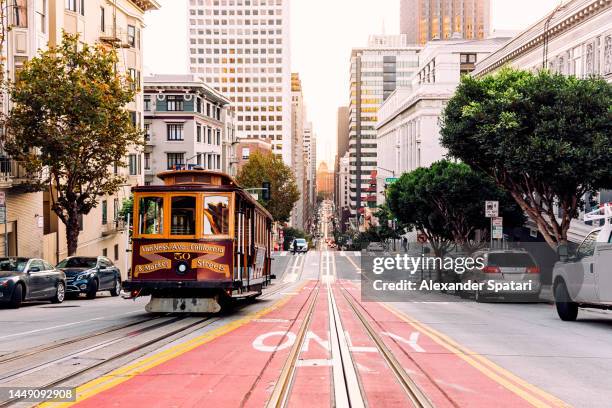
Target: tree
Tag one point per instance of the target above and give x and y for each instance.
(70, 127)
(544, 137)
(452, 197)
(284, 193)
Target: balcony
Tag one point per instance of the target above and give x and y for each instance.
(12, 173)
(116, 37)
(113, 227)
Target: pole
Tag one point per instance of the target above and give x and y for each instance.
(127, 243)
(491, 218)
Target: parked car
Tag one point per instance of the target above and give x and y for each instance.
(375, 247)
(515, 271)
(583, 279)
(299, 245)
(91, 275)
(24, 279)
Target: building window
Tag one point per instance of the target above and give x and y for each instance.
(131, 35)
(116, 252)
(209, 136)
(105, 252)
(41, 15)
(104, 212)
(175, 159)
(102, 19)
(147, 163)
(175, 131)
(116, 209)
(134, 164)
(218, 137)
(246, 152)
(147, 130)
(82, 7)
(71, 5)
(468, 58)
(175, 103)
(199, 134)
(147, 103)
(20, 13)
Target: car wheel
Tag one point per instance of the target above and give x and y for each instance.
(60, 293)
(92, 291)
(116, 291)
(17, 297)
(566, 309)
(478, 296)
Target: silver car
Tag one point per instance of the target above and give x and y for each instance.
(509, 274)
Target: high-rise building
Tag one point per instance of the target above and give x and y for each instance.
(310, 155)
(426, 20)
(241, 48)
(185, 124)
(342, 144)
(325, 181)
(376, 71)
(298, 116)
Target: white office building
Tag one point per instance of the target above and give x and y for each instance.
(241, 48)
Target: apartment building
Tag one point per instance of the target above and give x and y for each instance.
(33, 229)
(247, 147)
(408, 127)
(426, 20)
(241, 48)
(342, 144)
(575, 38)
(376, 71)
(185, 125)
(310, 155)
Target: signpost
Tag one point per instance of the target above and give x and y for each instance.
(390, 180)
(492, 212)
(3, 220)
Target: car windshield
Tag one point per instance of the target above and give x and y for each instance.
(300, 241)
(78, 262)
(510, 260)
(13, 264)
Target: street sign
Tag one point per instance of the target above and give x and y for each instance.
(390, 180)
(497, 227)
(491, 209)
(422, 238)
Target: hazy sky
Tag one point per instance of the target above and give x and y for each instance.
(322, 35)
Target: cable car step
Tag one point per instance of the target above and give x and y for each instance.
(245, 295)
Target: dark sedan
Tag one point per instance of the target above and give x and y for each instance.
(23, 279)
(91, 275)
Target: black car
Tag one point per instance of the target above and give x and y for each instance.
(91, 275)
(24, 279)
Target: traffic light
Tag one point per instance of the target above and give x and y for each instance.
(265, 193)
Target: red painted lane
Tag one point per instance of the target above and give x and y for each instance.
(225, 372)
(380, 388)
(312, 385)
(444, 376)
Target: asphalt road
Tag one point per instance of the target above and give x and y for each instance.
(571, 360)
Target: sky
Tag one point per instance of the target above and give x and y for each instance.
(323, 32)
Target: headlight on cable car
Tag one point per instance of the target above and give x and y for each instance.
(181, 268)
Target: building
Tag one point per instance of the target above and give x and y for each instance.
(343, 194)
(185, 124)
(573, 39)
(246, 147)
(342, 144)
(376, 71)
(325, 181)
(408, 127)
(310, 154)
(33, 228)
(241, 48)
(298, 118)
(426, 20)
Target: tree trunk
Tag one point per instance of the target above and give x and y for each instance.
(72, 231)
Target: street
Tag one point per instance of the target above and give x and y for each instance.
(513, 354)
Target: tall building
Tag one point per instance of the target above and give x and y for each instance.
(33, 228)
(376, 71)
(426, 20)
(241, 48)
(325, 181)
(298, 117)
(310, 155)
(342, 144)
(185, 124)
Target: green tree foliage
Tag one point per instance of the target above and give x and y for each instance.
(69, 126)
(284, 193)
(446, 202)
(544, 137)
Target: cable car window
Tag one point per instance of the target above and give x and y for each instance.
(151, 215)
(216, 215)
(183, 216)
